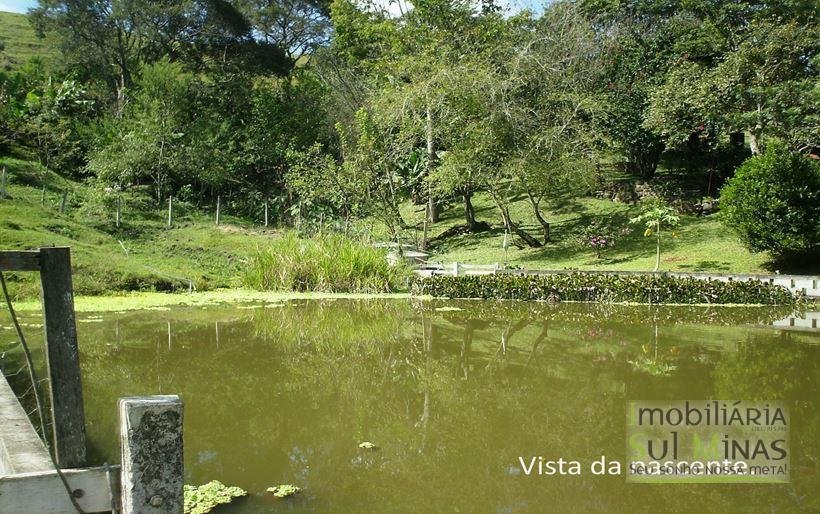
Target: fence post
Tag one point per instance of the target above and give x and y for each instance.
(218, 204)
(151, 443)
(3, 179)
(266, 212)
(62, 357)
(62, 203)
(119, 211)
(170, 210)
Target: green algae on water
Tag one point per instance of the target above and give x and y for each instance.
(204, 498)
(284, 490)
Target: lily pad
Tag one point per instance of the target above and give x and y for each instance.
(367, 445)
(204, 498)
(284, 490)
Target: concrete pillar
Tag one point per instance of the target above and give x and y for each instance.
(151, 442)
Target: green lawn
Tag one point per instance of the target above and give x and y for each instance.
(142, 255)
(703, 243)
(21, 42)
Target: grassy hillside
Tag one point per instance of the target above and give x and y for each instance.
(145, 255)
(142, 255)
(703, 243)
(20, 42)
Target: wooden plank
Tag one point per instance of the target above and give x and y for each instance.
(20, 261)
(43, 491)
(151, 443)
(62, 357)
(21, 449)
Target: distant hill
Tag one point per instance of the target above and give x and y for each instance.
(19, 42)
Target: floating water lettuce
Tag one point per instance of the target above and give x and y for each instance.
(367, 445)
(284, 490)
(204, 498)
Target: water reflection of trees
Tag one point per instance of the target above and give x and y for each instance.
(777, 368)
(451, 397)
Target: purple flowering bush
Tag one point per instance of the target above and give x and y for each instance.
(598, 243)
(600, 235)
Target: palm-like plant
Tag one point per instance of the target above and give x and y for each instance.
(657, 216)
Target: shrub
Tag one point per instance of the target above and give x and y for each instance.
(773, 202)
(601, 234)
(592, 287)
(328, 263)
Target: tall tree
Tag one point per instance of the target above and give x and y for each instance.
(298, 27)
(766, 86)
(144, 142)
(108, 40)
(552, 102)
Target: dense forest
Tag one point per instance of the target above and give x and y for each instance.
(346, 110)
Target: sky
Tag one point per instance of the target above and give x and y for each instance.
(17, 5)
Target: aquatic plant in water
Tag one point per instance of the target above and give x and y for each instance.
(284, 490)
(204, 498)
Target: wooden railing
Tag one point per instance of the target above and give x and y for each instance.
(32, 479)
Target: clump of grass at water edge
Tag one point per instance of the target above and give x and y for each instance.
(328, 263)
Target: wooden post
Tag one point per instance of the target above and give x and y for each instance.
(62, 203)
(152, 466)
(266, 212)
(119, 211)
(62, 357)
(423, 246)
(3, 179)
(218, 204)
(170, 210)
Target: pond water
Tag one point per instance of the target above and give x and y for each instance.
(452, 393)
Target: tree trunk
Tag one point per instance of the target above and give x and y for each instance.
(469, 211)
(432, 207)
(159, 176)
(120, 97)
(754, 143)
(644, 160)
(658, 250)
(545, 225)
(514, 228)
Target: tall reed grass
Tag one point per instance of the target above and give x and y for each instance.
(329, 263)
